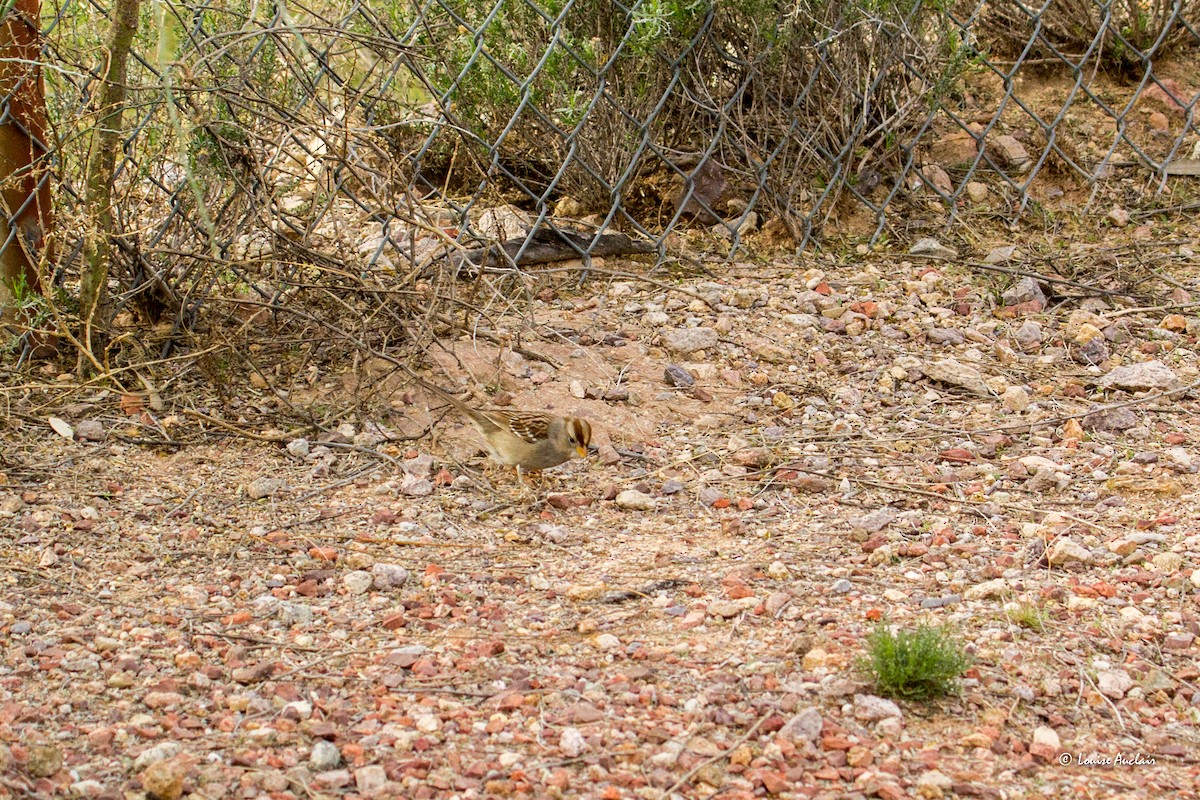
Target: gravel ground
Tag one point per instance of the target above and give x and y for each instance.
(784, 460)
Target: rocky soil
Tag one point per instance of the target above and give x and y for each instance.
(787, 456)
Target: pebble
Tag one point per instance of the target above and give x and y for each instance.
(298, 447)
(633, 500)
(262, 487)
(805, 725)
(160, 752)
(324, 756)
(571, 742)
(358, 581)
(690, 340)
(369, 778)
(933, 248)
(841, 586)
(982, 591)
(1025, 290)
(1146, 375)
(163, 780)
(90, 430)
(675, 375)
(606, 641)
(388, 576)
(870, 708)
(1065, 550)
(1114, 683)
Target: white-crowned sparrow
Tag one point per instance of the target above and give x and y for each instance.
(525, 439)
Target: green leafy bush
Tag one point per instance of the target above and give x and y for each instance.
(914, 664)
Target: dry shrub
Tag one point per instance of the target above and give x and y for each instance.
(1123, 33)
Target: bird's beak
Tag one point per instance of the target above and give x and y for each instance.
(581, 450)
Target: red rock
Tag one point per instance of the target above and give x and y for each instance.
(834, 742)
(323, 553)
(876, 541)
(384, 516)
(890, 791)
(510, 700)
(394, 621)
(1167, 94)
(737, 591)
(774, 782)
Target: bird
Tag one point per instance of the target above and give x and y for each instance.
(527, 440)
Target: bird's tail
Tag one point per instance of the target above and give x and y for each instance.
(440, 392)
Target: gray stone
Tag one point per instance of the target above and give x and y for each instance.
(1111, 420)
(933, 248)
(262, 487)
(325, 756)
(90, 430)
(689, 340)
(1146, 375)
(675, 375)
(294, 613)
(298, 447)
(805, 725)
(1025, 290)
(1029, 335)
(388, 576)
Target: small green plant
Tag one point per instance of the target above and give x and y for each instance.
(1029, 615)
(914, 664)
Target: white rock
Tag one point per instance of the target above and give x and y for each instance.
(572, 743)
(689, 340)
(1114, 683)
(868, 707)
(606, 641)
(155, 754)
(324, 756)
(982, 591)
(1146, 375)
(633, 500)
(1065, 550)
(358, 581)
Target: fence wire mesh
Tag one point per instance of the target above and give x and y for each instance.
(274, 149)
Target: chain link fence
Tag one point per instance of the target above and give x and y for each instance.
(372, 155)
